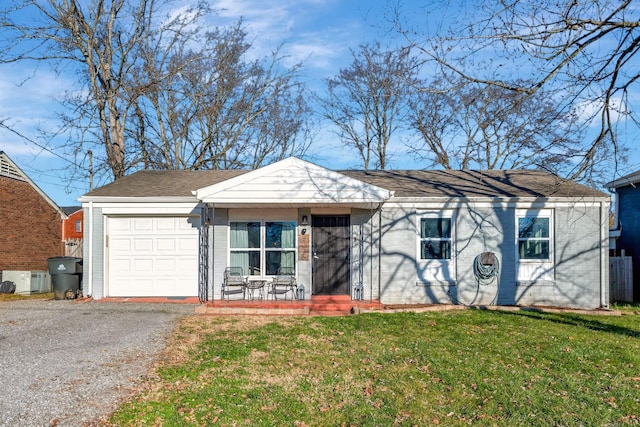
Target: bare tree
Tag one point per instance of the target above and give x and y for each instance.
(491, 127)
(94, 42)
(367, 101)
(585, 49)
(154, 85)
(221, 111)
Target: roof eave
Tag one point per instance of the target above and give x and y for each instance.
(137, 199)
(500, 199)
(631, 179)
(290, 205)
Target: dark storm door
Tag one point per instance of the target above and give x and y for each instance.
(330, 240)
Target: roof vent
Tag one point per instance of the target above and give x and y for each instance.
(9, 169)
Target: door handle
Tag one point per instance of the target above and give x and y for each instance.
(315, 255)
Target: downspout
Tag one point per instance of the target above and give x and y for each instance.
(211, 266)
(604, 217)
(370, 247)
(90, 272)
(379, 251)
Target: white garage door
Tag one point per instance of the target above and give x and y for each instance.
(153, 256)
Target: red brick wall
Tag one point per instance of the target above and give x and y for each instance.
(30, 228)
(69, 226)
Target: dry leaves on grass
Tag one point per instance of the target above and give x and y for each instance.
(191, 330)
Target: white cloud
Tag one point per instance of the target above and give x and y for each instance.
(313, 31)
(315, 54)
(29, 93)
(590, 110)
(27, 105)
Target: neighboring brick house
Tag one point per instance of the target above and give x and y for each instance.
(72, 228)
(30, 222)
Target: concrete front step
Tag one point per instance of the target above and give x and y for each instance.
(274, 311)
(316, 306)
(341, 304)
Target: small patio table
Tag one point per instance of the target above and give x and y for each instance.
(255, 285)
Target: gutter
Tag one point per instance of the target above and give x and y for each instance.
(379, 251)
(153, 199)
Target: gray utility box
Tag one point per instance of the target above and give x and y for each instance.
(66, 273)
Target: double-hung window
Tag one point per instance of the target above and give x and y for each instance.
(534, 237)
(244, 242)
(435, 237)
(535, 234)
(262, 248)
(280, 247)
(436, 246)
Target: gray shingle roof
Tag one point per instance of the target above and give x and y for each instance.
(155, 183)
(405, 183)
(70, 209)
(471, 183)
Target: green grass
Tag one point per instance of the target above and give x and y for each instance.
(452, 368)
(18, 297)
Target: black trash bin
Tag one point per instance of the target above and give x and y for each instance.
(66, 272)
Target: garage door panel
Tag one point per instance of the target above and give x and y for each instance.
(119, 224)
(163, 286)
(120, 245)
(142, 287)
(166, 224)
(142, 266)
(141, 245)
(185, 263)
(188, 245)
(121, 265)
(166, 265)
(166, 244)
(153, 256)
(142, 224)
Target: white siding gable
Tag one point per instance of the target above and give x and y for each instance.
(293, 181)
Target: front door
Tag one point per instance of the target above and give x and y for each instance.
(330, 240)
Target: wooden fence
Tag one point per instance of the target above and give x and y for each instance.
(73, 247)
(620, 279)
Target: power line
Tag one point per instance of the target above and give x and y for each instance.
(37, 144)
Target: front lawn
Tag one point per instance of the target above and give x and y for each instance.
(19, 297)
(447, 368)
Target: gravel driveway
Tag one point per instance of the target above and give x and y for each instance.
(67, 363)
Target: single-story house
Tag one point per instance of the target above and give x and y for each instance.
(399, 237)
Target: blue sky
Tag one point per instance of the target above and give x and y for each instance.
(317, 32)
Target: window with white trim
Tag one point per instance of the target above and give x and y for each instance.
(262, 248)
(534, 245)
(534, 240)
(436, 246)
(435, 238)
(535, 234)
